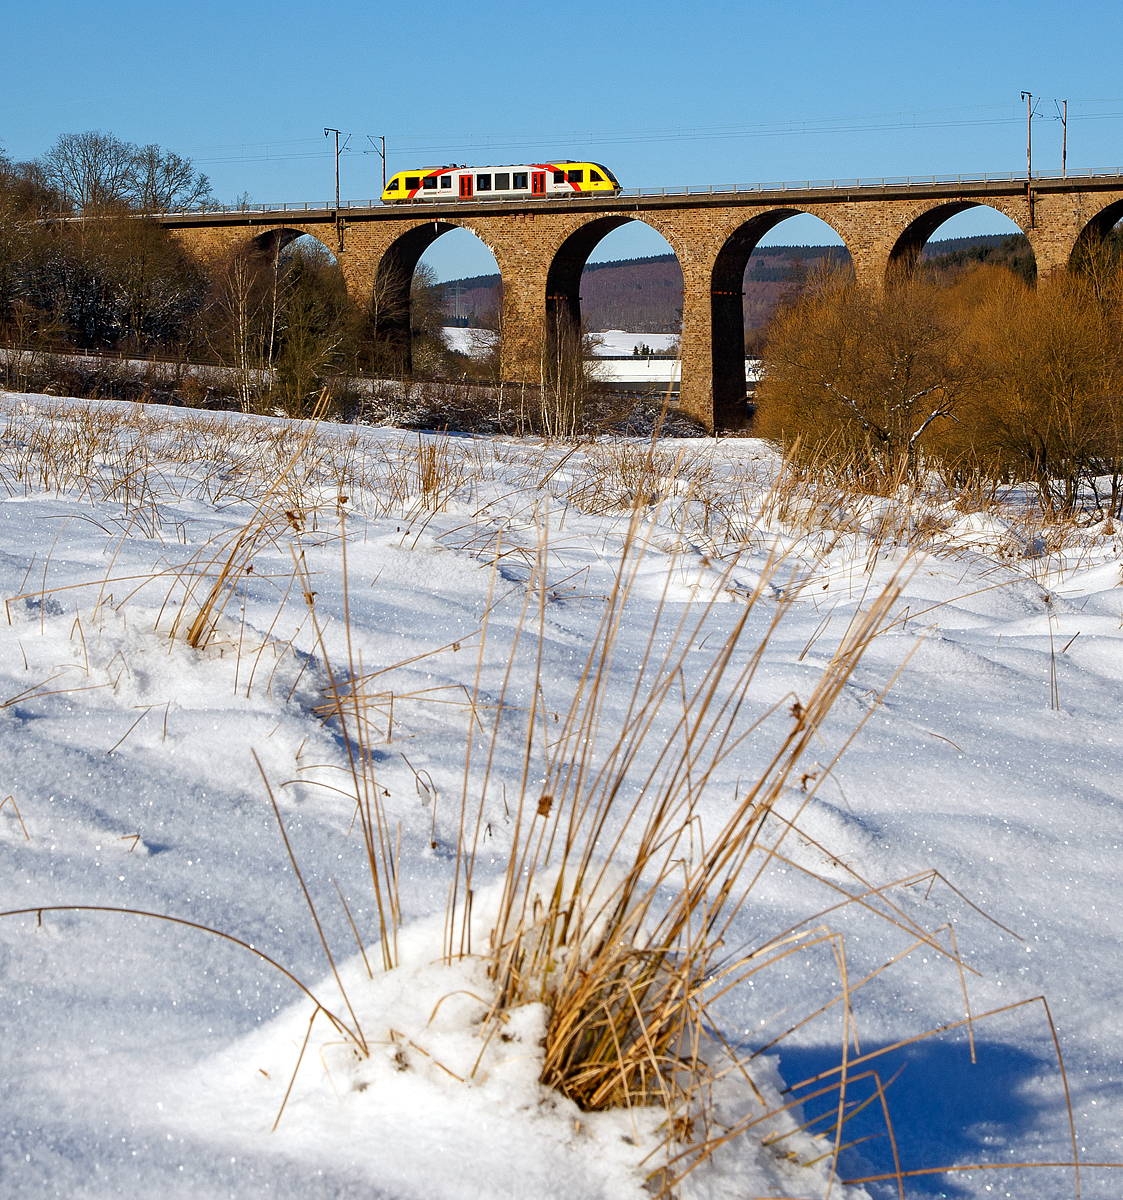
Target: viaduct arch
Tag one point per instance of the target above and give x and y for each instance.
(727, 304)
(390, 284)
(540, 247)
(910, 242)
(1098, 227)
(277, 239)
(568, 256)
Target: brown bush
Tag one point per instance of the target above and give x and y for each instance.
(979, 373)
(869, 371)
(1051, 411)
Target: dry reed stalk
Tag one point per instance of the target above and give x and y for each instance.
(39, 909)
(15, 808)
(349, 704)
(616, 914)
(234, 561)
(622, 936)
(439, 471)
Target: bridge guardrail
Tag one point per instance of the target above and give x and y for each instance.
(711, 189)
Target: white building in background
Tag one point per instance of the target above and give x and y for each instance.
(617, 363)
(642, 374)
(618, 343)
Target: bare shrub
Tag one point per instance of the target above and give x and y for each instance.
(1052, 411)
(871, 370)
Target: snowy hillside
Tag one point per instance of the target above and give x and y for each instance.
(189, 595)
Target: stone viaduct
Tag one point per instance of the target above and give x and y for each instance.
(541, 247)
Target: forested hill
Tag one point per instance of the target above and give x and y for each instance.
(644, 295)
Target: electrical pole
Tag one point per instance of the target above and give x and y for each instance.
(379, 150)
(1063, 114)
(336, 132)
(1028, 98)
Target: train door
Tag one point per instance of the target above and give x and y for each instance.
(538, 183)
(465, 187)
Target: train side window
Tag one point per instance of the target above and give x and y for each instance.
(595, 177)
(446, 181)
(429, 183)
(559, 177)
(483, 183)
(576, 176)
(503, 181)
(518, 180)
(392, 186)
(413, 182)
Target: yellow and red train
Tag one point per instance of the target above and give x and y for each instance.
(546, 180)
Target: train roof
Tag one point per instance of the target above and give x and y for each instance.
(486, 166)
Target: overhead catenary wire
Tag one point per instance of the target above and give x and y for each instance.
(426, 144)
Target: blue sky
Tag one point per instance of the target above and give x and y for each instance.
(664, 93)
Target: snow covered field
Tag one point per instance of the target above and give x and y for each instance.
(144, 1058)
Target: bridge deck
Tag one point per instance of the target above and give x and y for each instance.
(719, 195)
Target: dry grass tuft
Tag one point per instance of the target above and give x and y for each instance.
(618, 903)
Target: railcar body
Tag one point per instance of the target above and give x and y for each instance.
(545, 180)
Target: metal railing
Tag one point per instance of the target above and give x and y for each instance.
(710, 189)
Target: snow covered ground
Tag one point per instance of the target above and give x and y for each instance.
(144, 1058)
(611, 343)
(473, 342)
(618, 341)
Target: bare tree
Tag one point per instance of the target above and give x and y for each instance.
(567, 376)
(95, 170)
(241, 319)
(316, 329)
(15, 224)
(485, 347)
(429, 351)
(163, 180)
(25, 190)
(387, 332)
(1052, 413)
(91, 170)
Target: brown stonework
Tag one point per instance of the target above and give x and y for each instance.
(541, 248)
(209, 244)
